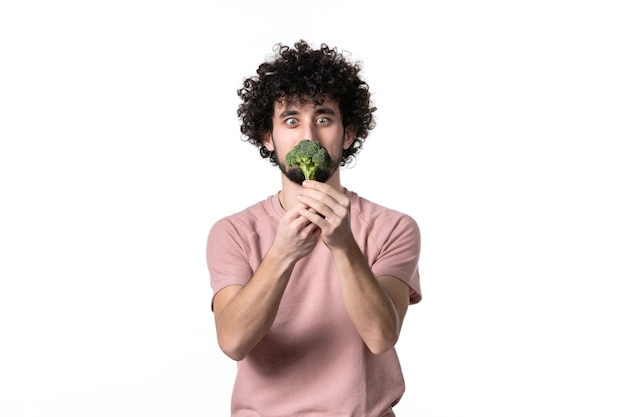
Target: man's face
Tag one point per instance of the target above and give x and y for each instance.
(295, 121)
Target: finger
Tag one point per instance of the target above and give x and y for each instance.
(293, 214)
(312, 217)
(306, 220)
(323, 188)
(327, 195)
(310, 230)
(319, 203)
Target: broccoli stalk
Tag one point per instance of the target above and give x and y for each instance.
(309, 155)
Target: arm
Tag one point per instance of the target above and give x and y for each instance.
(244, 314)
(376, 306)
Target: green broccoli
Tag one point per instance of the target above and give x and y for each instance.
(309, 155)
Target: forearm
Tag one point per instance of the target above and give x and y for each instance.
(249, 314)
(369, 306)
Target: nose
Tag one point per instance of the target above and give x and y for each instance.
(308, 131)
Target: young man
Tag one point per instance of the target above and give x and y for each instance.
(312, 284)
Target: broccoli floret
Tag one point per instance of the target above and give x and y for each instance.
(309, 155)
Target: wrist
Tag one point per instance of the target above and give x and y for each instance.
(281, 259)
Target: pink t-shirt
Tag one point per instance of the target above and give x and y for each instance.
(312, 362)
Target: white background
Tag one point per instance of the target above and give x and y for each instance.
(501, 128)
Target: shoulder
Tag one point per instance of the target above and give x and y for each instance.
(253, 214)
(383, 226)
(376, 214)
(248, 219)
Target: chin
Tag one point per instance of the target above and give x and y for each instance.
(295, 175)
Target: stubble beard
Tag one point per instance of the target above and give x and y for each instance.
(295, 174)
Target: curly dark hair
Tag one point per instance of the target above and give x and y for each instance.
(303, 73)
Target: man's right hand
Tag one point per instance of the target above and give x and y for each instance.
(296, 236)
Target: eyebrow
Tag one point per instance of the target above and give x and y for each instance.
(318, 110)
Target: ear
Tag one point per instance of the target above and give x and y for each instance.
(267, 141)
(349, 135)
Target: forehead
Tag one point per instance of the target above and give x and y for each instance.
(299, 104)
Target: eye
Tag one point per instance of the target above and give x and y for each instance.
(291, 121)
(323, 120)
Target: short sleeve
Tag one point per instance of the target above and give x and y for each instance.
(399, 254)
(227, 256)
